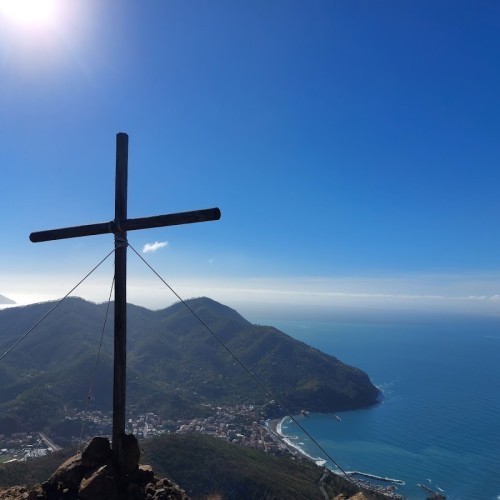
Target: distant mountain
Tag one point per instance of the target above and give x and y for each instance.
(175, 366)
(5, 300)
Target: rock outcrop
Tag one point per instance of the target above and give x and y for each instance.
(92, 475)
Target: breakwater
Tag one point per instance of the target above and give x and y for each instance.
(374, 476)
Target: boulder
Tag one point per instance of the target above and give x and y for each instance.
(143, 475)
(92, 475)
(97, 452)
(100, 485)
(69, 474)
(130, 454)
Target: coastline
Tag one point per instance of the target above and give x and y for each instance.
(275, 428)
(426, 452)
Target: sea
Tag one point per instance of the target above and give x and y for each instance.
(438, 424)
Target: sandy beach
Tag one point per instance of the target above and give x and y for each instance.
(275, 427)
(272, 425)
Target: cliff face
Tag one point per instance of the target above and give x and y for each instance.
(175, 366)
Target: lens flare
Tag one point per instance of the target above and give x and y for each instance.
(29, 13)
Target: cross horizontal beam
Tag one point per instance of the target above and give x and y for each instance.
(127, 225)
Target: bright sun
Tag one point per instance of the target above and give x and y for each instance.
(29, 13)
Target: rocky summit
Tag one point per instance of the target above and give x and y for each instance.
(91, 475)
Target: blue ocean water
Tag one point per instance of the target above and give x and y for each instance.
(439, 422)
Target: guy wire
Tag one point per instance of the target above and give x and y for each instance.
(254, 377)
(52, 309)
(92, 378)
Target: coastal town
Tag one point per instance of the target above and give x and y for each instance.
(233, 424)
(240, 424)
(21, 446)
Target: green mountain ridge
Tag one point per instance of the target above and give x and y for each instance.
(175, 366)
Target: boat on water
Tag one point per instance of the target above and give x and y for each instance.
(434, 494)
(338, 418)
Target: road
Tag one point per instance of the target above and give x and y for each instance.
(48, 442)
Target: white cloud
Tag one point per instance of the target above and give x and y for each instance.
(152, 247)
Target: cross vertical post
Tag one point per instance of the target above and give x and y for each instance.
(119, 227)
(120, 324)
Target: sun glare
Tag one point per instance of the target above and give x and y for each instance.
(29, 13)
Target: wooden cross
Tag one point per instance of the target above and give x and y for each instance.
(119, 227)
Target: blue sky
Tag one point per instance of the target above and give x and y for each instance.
(353, 148)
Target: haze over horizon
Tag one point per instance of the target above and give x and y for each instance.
(352, 149)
